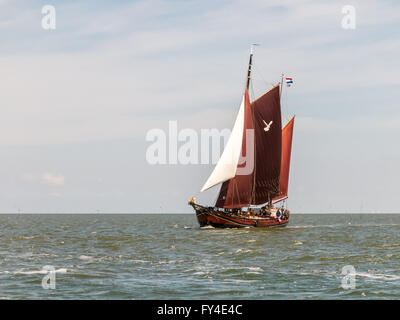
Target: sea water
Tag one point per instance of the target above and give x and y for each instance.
(168, 256)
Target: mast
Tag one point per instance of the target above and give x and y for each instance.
(247, 87)
(250, 64)
(249, 70)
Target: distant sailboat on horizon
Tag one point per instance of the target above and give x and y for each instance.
(247, 198)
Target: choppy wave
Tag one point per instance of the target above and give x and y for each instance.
(387, 277)
(83, 257)
(170, 257)
(61, 270)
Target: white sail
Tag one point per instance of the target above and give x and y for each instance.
(227, 163)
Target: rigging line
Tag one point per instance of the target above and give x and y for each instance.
(252, 90)
(196, 194)
(281, 100)
(260, 74)
(284, 109)
(286, 106)
(262, 78)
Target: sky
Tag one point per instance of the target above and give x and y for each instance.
(77, 101)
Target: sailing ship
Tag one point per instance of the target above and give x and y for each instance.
(253, 169)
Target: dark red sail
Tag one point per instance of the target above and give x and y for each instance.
(268, 146)
(236, 192)
(287, 134)
(264, 116)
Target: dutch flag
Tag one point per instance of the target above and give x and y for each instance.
(289, 81)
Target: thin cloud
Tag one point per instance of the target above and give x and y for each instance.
(53, 179)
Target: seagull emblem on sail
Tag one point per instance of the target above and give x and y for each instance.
(267, 125)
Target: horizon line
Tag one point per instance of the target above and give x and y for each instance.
(171, 213)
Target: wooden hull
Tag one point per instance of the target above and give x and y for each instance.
(218, 219)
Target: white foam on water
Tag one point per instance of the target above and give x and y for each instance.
(240, 280)
(207, 227)
(388, 277)
(208, 268)
(390, 245)
(45, 255)
(375, 225)
(255, 268)
(140, 261)
(166, 261)
(252, 240)
(316, 226)
(83, 257)
(61, 270)
(240, 250)
(299, 227)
